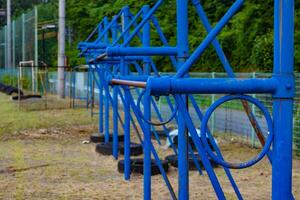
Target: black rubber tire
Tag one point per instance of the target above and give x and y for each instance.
(173, 161)
(10, 90)
(5, 88)
(160, 133)
(191, 142)
(107, 149)
(24, 97)
(97, 138)
(135, 149)
(137, 166)
(104, 148)
(2, 87)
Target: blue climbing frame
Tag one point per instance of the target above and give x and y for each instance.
(113, 63)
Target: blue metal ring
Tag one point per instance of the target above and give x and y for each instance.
(150, 122)
(266, 147)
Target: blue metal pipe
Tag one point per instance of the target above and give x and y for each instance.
(106, 23)
(125, 71)
(215, 43)
(183, 51)
(227, 171)
(167, 85)
(154, 153)
(115, 100)
(128, 27)
(147, 112)
(141, 51)
(94, 31)
(147, 149)
(106, 102)
(209, 38)
(106, 29)
(283, 107)
(199, 146)
(163, 38)
(142, 23)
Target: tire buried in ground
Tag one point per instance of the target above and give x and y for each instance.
(192, 143)
(10, 90)
(137, 166)
(107, 149)
(160, 134)
(97, 138)
(173, 161)
(24, 97)
(135, 149)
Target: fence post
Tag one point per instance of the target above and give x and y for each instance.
(254, 113)
(213, 98)
(36, 46)
(23, 37)
(5, 52)
(14, 43)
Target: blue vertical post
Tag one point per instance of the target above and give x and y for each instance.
(147, 113)
(92, 89)
(106, 40)
(106, 23)
(183, 48)
(87, 101)
(115, 100)
(100, 102)
(125, 71)
(283, 106)
(106, 136)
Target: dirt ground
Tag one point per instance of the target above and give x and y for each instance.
(53, 163)
(42, 156)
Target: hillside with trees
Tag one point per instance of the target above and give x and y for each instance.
(247, 40)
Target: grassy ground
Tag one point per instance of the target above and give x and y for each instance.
(32, 115)
(42, 157)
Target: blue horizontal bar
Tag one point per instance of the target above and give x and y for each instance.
(141, 51)
(168, 85)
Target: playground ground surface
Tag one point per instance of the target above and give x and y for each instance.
(42, 157)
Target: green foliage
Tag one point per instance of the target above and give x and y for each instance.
(8, 80)
(247, 40)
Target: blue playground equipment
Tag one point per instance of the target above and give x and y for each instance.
(124, 72)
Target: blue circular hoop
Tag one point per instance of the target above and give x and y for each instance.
(267, 145)
(150, 122)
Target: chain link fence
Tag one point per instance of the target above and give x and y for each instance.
(228, 121)
(34, 37)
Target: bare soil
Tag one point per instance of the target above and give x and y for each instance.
(53, 163)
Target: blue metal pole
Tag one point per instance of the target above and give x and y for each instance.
(128, 26)
(183, 48)
(199, 146)
(147, 113)
(147, 148)
(116, 102)
(106, 116)
(155, 155)
(100, 102)
(124, 72)
(87, 101)
(107, 110)
(215, 43)
(142, 23)
(162, 38)
(167, 85)
(283, 107)
(209, 38)
(141, 51)
(92, 90)
(106, 34)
